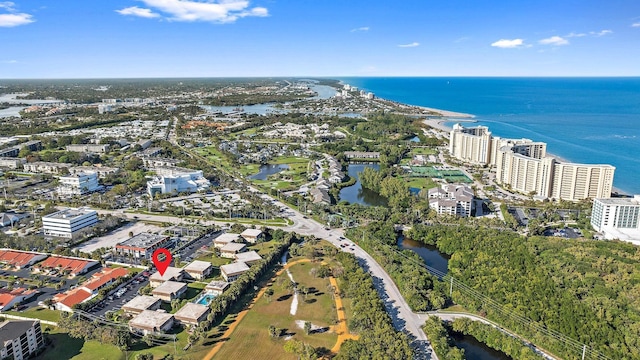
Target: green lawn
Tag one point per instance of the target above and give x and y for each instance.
(263, 247)
(423, 151)
(251, 338)
(216, 261)
(421, 183)
(38, 313)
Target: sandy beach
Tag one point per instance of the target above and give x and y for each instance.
(448, 114)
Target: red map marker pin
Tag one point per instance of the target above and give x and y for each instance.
(161, 265)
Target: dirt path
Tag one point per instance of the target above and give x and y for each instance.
(341, 329)
(244, 312)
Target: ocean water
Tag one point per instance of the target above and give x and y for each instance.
(585, 120)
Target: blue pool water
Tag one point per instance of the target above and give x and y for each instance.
(205, 299)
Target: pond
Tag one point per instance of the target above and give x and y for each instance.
(429, 253)
(476, 350)
(356, 194)
(268, 169)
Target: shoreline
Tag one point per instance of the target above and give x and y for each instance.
(439, 124)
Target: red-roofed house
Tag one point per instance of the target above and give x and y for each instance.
(65, 301)
(72, 266)
(88, 289)
(19, 259)
(10, 297)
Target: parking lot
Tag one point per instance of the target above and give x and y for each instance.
(113, 303)
(47, 291)
(114, 237)
(188, 252)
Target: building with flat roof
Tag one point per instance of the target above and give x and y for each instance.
(141, 303)
(20, 339)
(224, 239)
(231, 272)
(178, 182)
(217, 287)
(101, 171)
(192, 314)
(523, 165)
(80, 183)
(13, 151)
(617, 218)
(231, 249)
(171, 273)
(169, 290)
(11, 163)
(199, 269)
(149, 322)
(249, 257)
(142, 245)
(88, 148)
(44, 167)
(66, 223)
(252, 235)
(362, 154)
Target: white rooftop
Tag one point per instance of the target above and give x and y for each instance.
(251, 232)
(234, 268)
(197, 266)
(233, 247)
(191, 311)
(169, 287)
(142, 302)
(226, 238)
(248, 256)
(170, 273)
(217, 285)
(150, 319)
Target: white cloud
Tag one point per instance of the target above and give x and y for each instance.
(413, 44)
(462, 39)
(7, 5)
(217, 11)
(364, 28)
(508, 44)
(554, 40)
(136, 11)
(635, 24)
(10, 61)
(11, 20)
(570, 35)
(601, 33)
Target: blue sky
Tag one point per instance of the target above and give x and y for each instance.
(217, 38)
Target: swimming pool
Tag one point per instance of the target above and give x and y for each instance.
(205, 299)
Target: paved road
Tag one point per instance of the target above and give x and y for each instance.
(403, 318)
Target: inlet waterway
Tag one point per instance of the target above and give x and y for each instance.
(429, 253)
(473, 349)
(356, 194)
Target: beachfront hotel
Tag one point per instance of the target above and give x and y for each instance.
(522, 165)
(617, 218)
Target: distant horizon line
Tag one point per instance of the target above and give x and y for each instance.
(336, 77)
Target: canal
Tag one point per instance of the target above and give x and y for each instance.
(473, 349)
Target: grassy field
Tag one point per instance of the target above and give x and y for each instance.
(38, 313)
(251, 338)
(423, 151)
(421, 183)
